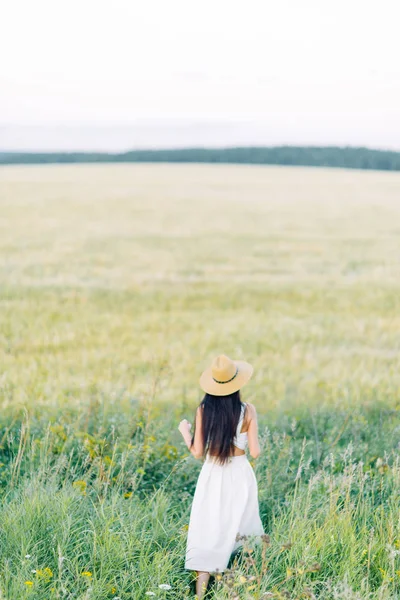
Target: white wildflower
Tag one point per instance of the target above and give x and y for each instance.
(27, 555)
(164, 586)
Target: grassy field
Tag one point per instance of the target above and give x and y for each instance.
(118, 284)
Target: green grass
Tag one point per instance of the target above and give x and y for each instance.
(118, 284)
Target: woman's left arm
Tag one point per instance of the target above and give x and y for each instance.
(184, 427)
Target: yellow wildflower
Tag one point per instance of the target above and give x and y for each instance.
(29, 583)
(81, 486)
(45, 574)
(86, 574)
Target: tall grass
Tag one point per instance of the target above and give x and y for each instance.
(100, 514)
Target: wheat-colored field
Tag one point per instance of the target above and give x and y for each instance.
(109, 272)
(118, 284)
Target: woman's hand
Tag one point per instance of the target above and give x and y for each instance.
(184, 427)
(195, 445)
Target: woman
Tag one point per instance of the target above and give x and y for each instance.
(225, 503)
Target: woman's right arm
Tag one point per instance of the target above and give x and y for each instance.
(252, 432)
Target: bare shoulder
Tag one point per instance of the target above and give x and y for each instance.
(251, 412)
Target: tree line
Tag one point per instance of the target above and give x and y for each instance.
(311, 156)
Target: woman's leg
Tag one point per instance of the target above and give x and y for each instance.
(201, 583)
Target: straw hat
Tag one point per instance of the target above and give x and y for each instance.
(225, 376)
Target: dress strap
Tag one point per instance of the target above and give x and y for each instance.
(241, 419)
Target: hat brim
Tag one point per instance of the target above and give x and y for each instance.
(210, 386)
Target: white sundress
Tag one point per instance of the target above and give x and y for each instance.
(225, 504)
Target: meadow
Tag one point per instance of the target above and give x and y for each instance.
(118, 285)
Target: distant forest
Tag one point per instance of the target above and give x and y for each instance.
(346, 157)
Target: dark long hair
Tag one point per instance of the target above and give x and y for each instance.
(220, 418)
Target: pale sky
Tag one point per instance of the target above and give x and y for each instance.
(251, 71)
